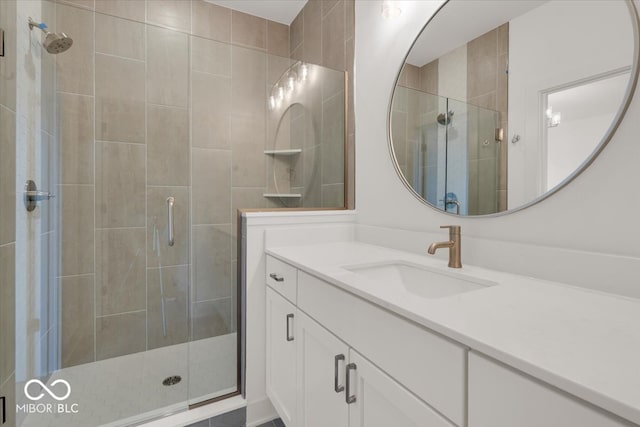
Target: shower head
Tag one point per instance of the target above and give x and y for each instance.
(53, 42)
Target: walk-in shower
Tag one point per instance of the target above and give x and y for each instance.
(149, 135)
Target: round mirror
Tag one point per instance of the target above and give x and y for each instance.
(501, 103)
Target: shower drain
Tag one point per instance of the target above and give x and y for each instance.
(175, 379)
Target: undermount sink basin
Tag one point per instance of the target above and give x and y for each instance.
(419, 280)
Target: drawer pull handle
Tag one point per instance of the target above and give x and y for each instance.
(349, 398)
(338, 388)
(277, 278)
(289, 336)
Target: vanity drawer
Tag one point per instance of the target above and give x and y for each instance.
(429, 365)
(282, 278)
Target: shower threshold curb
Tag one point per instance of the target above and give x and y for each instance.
(198, 414)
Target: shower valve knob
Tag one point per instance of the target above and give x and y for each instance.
(32, 195)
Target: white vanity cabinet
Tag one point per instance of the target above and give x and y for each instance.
(379, 401)
(502, 397)
(281, 355)
(322, 360)
(322, 372)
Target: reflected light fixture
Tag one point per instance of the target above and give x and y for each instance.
(390, 9)
(553, 119)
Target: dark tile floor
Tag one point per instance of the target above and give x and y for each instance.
(237, 418)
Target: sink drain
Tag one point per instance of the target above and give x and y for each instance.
(172, 380)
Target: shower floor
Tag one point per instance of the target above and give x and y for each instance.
(127, 390)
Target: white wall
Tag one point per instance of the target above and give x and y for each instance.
(570, 46)
(576, 220)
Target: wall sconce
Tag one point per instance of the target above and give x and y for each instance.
(390, 9)
(553, 119)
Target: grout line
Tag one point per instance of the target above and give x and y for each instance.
(95, 179)
(111, 55)
(143, 310)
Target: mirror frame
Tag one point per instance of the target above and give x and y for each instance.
(628, 96)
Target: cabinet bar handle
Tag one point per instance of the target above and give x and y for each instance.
(289, 336)
(277, 278)
(336, 387)
(348, 397)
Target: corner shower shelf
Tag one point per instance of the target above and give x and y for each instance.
(283, 195)
(290, 152)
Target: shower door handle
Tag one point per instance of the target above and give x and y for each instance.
(170, 202)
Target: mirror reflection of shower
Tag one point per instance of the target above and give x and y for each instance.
(53, 43)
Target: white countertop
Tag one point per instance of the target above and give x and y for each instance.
(583, 342)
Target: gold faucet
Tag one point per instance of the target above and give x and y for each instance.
(454, 245)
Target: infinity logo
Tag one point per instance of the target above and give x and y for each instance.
(52, 394)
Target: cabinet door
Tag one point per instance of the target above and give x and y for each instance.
(379, 401)
(281, 356)
(502, 397)
(321, 363)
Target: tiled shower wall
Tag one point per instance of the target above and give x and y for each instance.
(323, 34)
(8, 206)
(175, 107)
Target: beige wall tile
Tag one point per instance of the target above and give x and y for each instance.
(502, 84)
(8, 21)
(7, 311)
(349, 19)
(121, 37)
(120, 270)
(296, 32)
(277, 39)
(487, 186)
(312, 176)
(120, 97)
(77, 229)
(211, 21)
(211, 262)
(167, 67)
(7, 176)
(333, 47)
(77, 327)
(167, 146)
(333, 196)
(211, 186)
(129, 9)
(173, 284)
(248, 30)
(211, 318)
(327, 6)
(87, 4)
(170, 13)
(487, 101)
(429, 77)
(75, 130)
(112, 342)
(178, 254)
(211, 122)
(120, 185)
(211, 57)
(413, 76)
(75, 66)
(248, 159)
(312, 32)
(245, 198)
(503, 39)
(249, 82)
(482, 64)
(333, 141)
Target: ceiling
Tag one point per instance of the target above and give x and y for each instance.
(282, 11)
(460, 21)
